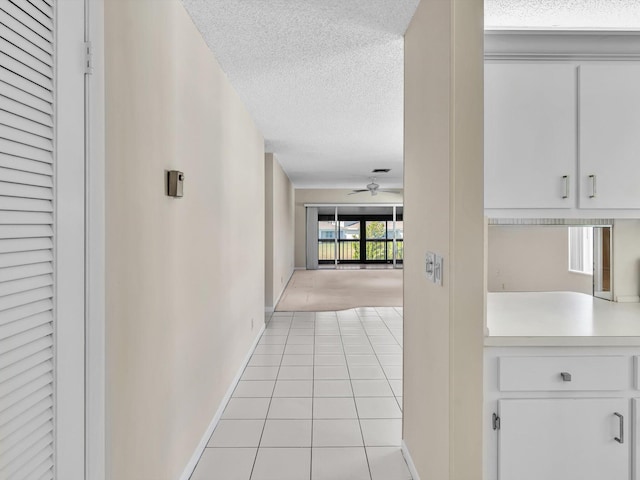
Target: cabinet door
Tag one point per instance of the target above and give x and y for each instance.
(530, 135)
(610, 136)
(563, 439)
(636, 436)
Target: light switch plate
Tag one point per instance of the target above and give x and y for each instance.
(434, 267)
(438, 269)
(429, 266)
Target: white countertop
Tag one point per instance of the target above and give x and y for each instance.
(560, 318)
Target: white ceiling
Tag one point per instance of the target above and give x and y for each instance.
(563, 14)
(322, 78)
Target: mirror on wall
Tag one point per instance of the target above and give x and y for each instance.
(547, 258)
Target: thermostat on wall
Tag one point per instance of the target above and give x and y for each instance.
(175, 183)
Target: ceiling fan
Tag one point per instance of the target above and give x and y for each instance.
(372, 187)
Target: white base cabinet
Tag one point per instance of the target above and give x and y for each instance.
(562, 413)
(563, 439)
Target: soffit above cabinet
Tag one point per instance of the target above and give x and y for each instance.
(560, 45)
(563, 14)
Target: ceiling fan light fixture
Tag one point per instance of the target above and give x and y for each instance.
(372, 188)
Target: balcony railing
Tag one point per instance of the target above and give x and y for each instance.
(349, 250)
(326, 250)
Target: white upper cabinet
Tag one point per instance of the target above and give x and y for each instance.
(610, 136)
(531, 135)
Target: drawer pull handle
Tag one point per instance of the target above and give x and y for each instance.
(566, 376)
(620, 439)
(565, 178)
(594, 186)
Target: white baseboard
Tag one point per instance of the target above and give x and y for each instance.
(409, 460)
(275, 304)
(191, 466)
(628, 299)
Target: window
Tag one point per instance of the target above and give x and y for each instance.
(581, 250)
(326, 230)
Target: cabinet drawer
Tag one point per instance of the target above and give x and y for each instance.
(589, 373)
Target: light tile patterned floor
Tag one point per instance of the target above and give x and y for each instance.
(321, 399)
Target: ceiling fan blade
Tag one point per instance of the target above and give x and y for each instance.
(357, 191)
(389, 190)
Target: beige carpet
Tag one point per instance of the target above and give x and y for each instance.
(330, 290)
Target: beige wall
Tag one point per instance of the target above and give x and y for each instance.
(626, 260)
(443, 212)
(185, 277)
(328, 196)
(279, 216)
(532, 259)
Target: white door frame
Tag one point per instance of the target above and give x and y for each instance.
(80, 243)
(95, 231)
(69, 238)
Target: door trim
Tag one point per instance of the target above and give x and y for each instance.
(95, 270)
(69, 243)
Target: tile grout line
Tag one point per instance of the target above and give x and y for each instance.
(231, 398)
(270, 399)
(383, 371)
(402, 347)
(378, 358)
(351, 321)
(402, 354)
(313, 386)
(353, 393)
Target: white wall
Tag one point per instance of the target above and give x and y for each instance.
(328, 196)
(532, 259)
(185, 277)
(279, 215)
(626, 260)
(443, 212)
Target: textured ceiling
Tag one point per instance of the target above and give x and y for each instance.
(563, 14)
(322, 78)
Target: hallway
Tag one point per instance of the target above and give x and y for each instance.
(320, 399)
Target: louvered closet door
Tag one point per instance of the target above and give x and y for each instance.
(26, 239)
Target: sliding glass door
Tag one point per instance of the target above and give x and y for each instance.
(360, 239)
(326, 239)
(376, 241)
(349, 241)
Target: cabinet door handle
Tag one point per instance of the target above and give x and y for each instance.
(620, 439)
(566, 179)
(566, 376)
(594, 186)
